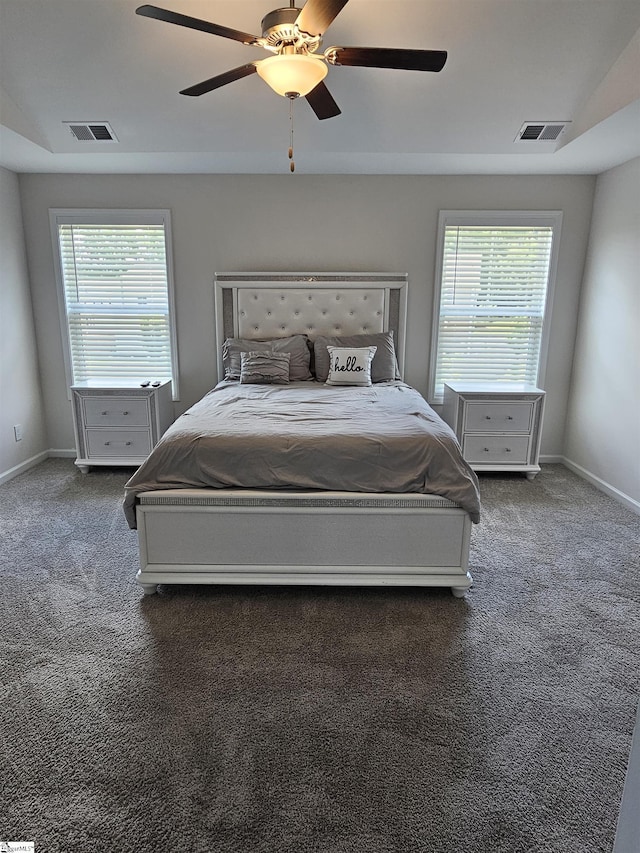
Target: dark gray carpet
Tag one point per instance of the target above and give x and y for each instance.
(309, 720)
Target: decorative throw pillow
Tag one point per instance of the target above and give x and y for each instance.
(296, 346)
(384, 366)
(350, 365)
(265, 368)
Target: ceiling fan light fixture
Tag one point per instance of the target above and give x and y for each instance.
(292, 74)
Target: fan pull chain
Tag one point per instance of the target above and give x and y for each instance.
(292, 165)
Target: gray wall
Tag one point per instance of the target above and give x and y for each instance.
(20, 399)
(335, 223)
(603, 424)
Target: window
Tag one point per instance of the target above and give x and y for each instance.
(116, 295)
(494, 279)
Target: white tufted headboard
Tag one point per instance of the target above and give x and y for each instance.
(275, 305)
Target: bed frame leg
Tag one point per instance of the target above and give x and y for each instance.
(149, 588)
(460, 591)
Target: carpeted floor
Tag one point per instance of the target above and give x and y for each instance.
(310, 720)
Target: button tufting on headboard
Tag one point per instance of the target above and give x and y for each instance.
(275, 313)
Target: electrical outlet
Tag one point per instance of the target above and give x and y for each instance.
(17, 431)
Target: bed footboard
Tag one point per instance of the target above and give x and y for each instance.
(329, 538)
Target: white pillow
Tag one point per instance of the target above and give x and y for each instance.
(350, 365)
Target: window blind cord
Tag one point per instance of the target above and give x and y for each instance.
(75, 264)
(455, 265)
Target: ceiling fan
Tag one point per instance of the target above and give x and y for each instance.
(294, 36)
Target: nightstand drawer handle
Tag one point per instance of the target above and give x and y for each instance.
(507, 450)
(126, 443)
(106, 413)
(488, 417)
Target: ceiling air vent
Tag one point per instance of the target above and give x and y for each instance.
(91, 131)
(541, 131)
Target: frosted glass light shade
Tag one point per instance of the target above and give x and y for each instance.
(292, 73)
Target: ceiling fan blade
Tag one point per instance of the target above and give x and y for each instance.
(220, 80)
(321, 102)
(387, 57)
(317, 15)
(195, 24)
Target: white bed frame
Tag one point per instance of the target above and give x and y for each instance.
(245, 536)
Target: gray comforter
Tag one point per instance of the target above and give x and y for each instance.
(306, 435)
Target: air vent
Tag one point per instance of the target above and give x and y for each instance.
(541, 131)
(91, 131)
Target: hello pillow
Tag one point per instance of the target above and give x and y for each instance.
(350, 365)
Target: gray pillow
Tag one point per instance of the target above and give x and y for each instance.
(264, 368)
(384, 365)
(296, 346)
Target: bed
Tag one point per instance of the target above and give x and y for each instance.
(357, 484)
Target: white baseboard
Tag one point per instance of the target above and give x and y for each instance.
(551, 459)
(605, 487)
(5, 476)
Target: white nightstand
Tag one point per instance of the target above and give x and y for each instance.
(498, 424)
(118, 424)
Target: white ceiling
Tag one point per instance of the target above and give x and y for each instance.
(510, 62)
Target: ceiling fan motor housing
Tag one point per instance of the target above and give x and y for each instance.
(279, 31)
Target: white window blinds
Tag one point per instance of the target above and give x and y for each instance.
(117, 299)
(493, 291)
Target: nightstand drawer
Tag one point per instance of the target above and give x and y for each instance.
(505, 449)
(118, 442)
(498, 417)
(116, 411)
